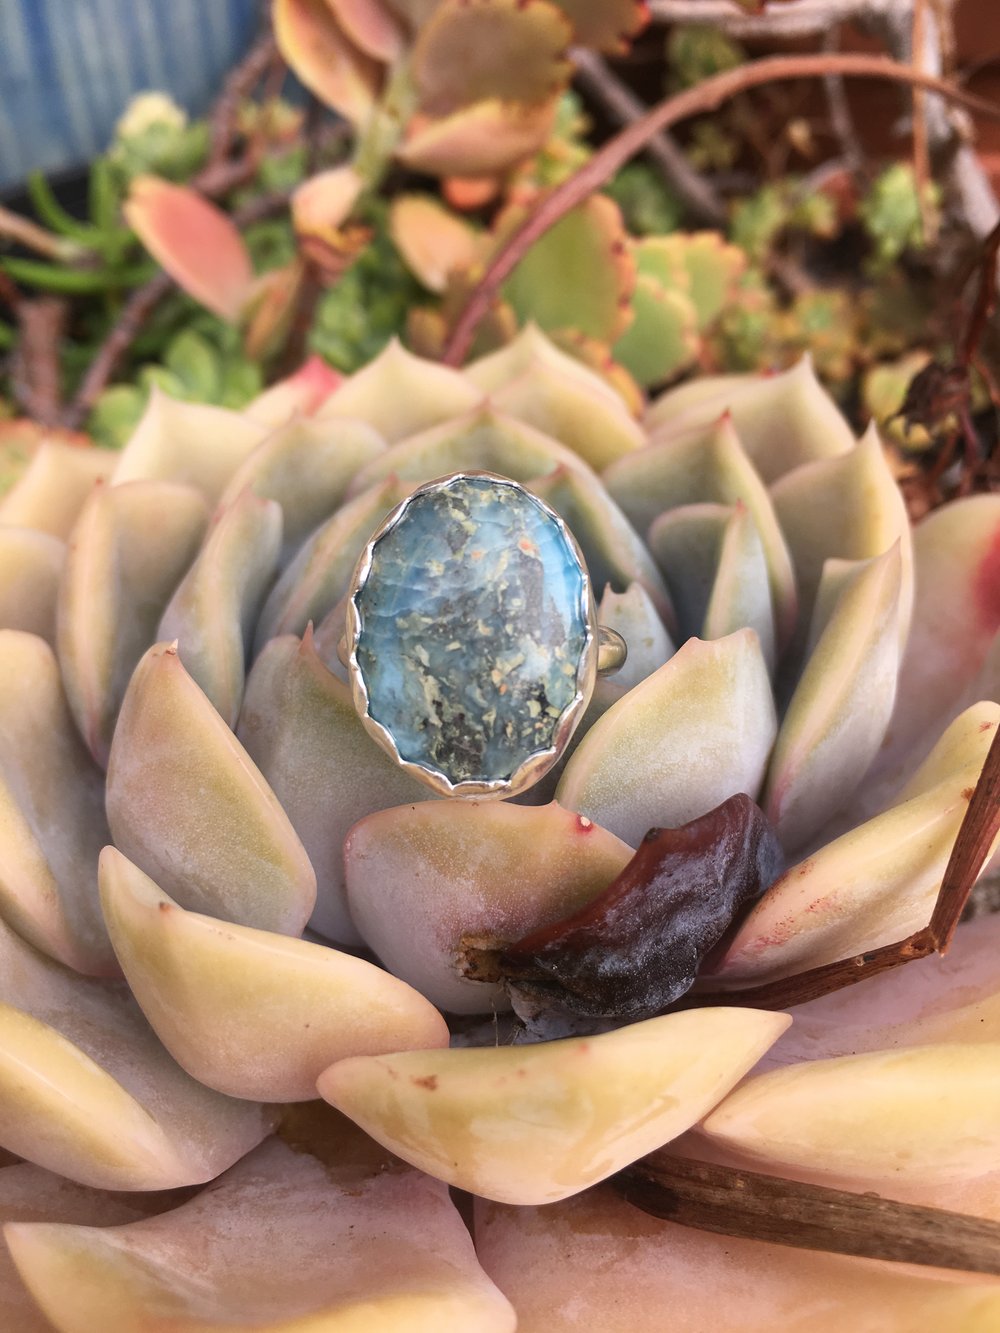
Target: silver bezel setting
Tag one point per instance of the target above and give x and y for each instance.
(537, 764)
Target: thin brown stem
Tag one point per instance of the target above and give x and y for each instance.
(732, 1202)
(706, 96)
(698, 196)
(35, 371)
(239, 84)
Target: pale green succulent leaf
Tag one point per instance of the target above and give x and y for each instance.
(695, 732)
(484, 439)
(421, 878)
(306, 466)
(847, 507)
(31, 565)
(932, 1110)
(873, 885)
(741, 593)
(783, 420)
(399, 394)
(130, 547)
(52, 822)
(839, 712)
(356, 1246)
(192, 443)
(699, 465)
(87, 1090)
(686, 542)
(634, 616)
(598, 428)
(319, 575)
(247, 1012)
(531, 352)
(215, 608)
(300, 726)
(534, 1124)
(612, 548)
(49, 495)
(662, 338)
(189, 807)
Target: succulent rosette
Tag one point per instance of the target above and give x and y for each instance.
(219, 898)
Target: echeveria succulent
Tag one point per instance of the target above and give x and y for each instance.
(220, 898)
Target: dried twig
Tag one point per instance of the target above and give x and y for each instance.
(732, 1202)
(706, 96)
(238, 85)
(35, 368)
(841, 120)
(9, 292)
(695, 192)
(972, 846)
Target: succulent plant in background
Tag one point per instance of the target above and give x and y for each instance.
(206, 858)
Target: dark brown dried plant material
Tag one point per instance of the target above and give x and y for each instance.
(638, 946)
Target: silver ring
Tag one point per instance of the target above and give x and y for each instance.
(472, 643)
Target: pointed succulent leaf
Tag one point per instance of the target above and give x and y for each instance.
(545, 286)
(198, 244)
(320, 573)
(300, 726)
(685, 543)
(512, 50)
(662, 338)
(783, 420)
(283, 1243)
(873, 885)
(50, 493)
(30, 1194)
(656, 757)
(188, 806)
(52, 821)
(699, 465)
(534, 1124)
(423, 879)
(929, 1111)
(600, 1254)
(637, 947)
(740, 591)
(479, 141)
(956, 620)
(433, 242)
(372, 27)
(572, 411)
(614, 553)
(247, 1012)
(302, 392)
(531, 351)
(485, 439)
(399, 394)
(634, 616)
(850, 507)
(212, 613)
(191, 443)
(306, 466)
(608, 25)
(87, 1090)
(31, 565)
(841, 707)
(130, 547)
(313, 41)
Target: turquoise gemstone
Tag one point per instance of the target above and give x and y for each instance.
(473, 625)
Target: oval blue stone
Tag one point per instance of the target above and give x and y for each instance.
(473, 625)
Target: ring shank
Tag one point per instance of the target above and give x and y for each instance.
(612, 650)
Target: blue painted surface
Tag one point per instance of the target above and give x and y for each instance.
(68, 68)
(472, 629)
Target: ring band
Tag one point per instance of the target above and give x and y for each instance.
(472, 643)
